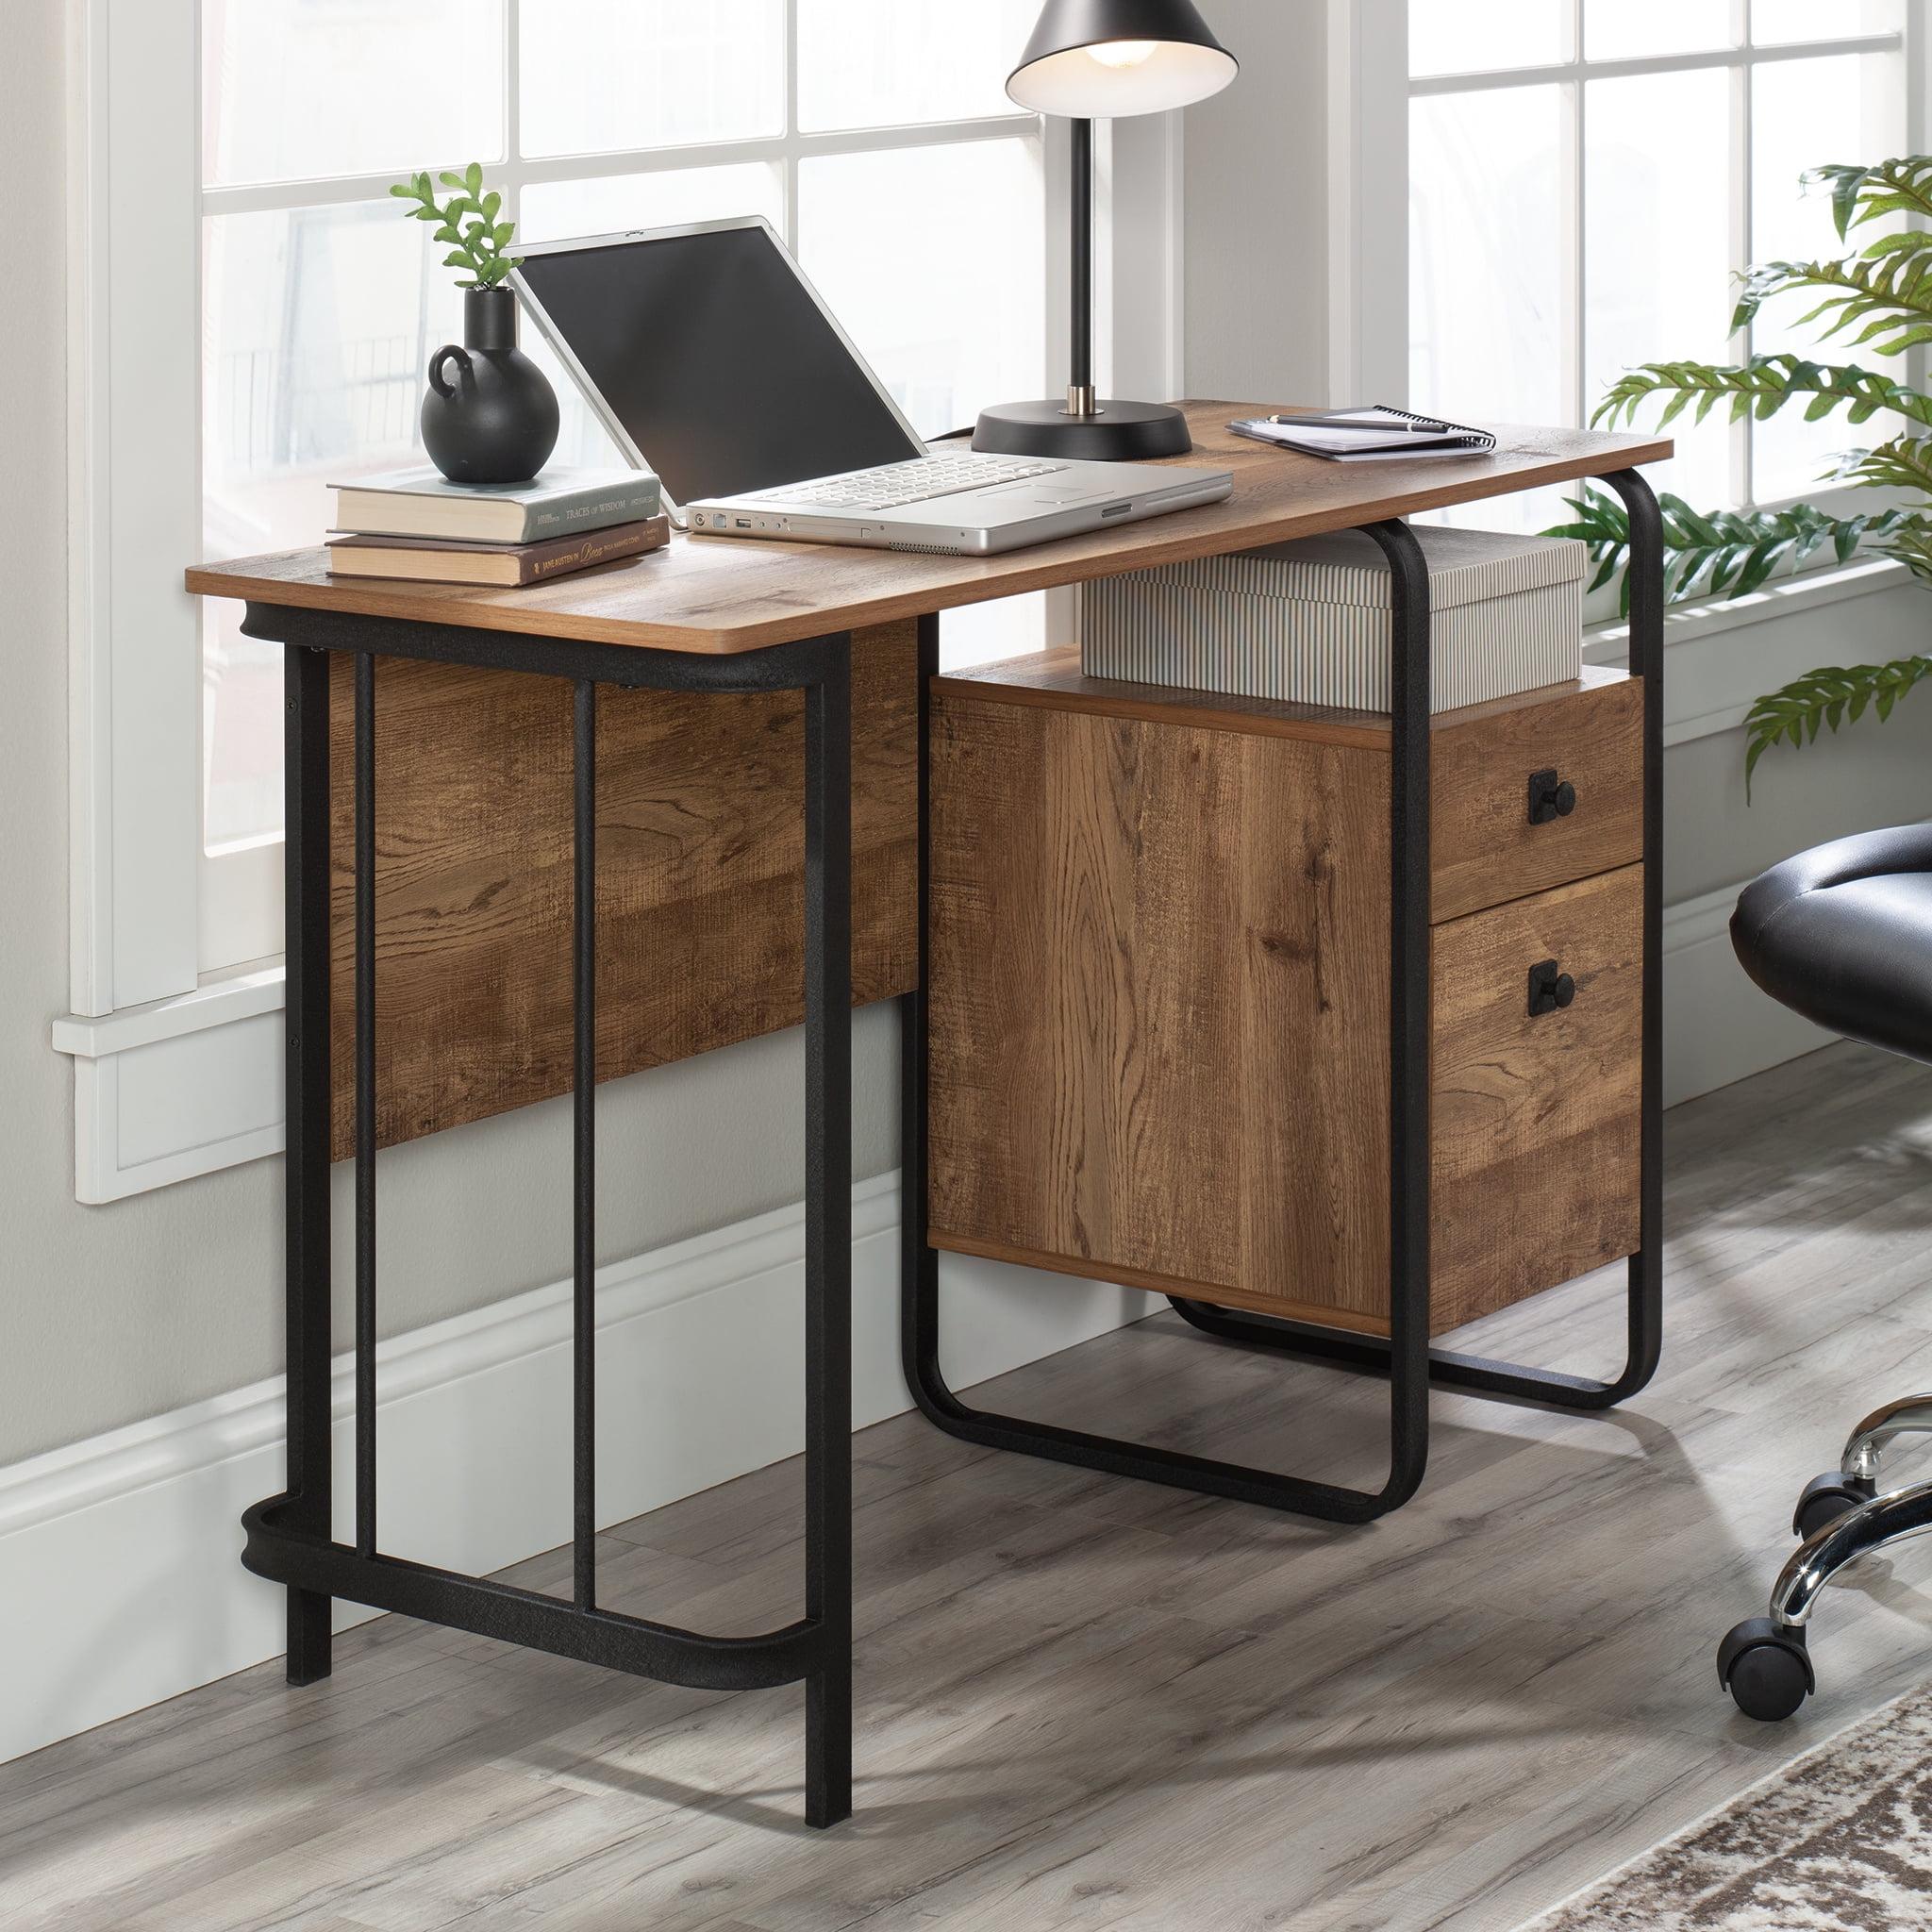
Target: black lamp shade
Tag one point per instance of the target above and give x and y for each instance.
(1102, 60)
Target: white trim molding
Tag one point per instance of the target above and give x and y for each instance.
(120, 1572)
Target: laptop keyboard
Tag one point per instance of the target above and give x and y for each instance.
(914, 481)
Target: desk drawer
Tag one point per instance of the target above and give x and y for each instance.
(1487, 847)
(1535, 1172)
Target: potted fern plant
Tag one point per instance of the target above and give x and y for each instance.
(491, 415)
(1882, 289)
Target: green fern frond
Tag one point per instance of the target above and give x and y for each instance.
(1759, 388)
(1723, 553)
(1891, 295)
(1831, 696)
(1860, 193)
(1904, 463)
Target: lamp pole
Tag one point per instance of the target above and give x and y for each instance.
(1080, 396)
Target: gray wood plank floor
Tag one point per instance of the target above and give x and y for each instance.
(1086, 1703)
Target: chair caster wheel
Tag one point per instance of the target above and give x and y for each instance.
(1766, 1668)
(1827, 1497)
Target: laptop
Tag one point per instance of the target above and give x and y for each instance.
(710, 359)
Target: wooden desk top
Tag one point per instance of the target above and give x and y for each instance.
(726, 594)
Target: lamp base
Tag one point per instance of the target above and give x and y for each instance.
(1115, 433)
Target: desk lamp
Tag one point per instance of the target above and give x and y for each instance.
(1088, 59)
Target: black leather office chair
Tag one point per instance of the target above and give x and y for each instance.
(1844, 934)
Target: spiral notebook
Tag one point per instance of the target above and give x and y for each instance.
(1375, 433)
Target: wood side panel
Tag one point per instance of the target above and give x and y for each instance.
(1158, 983)
(701, 834)
(1536, 1120)
(1484, 849)
(726, 594)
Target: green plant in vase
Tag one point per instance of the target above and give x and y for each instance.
(1883, 292)
(491, 415)
(467, 221)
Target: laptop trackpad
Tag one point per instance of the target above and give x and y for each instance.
(1046, 494)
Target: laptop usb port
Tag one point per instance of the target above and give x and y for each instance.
(744, 523)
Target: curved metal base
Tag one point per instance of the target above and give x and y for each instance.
(1369, 1355)
(1117, 432)
(662, 1651)
(1864, 1451)
(1873, 1526)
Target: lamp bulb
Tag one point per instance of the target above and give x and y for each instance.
(1123, 53)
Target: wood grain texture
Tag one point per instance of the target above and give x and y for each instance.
(1535, 1121)
(1483, 847)
(1159, 1000)
(724, 595)
(1089, 1703)
(700, 849)
(1159, 989)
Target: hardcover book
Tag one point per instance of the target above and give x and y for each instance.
(448, 560)
(423, 502)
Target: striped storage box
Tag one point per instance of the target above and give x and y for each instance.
(1310, 621)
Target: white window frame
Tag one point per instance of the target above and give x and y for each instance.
(1739, 61)
(179, 1072)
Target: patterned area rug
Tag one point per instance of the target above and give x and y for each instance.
(1838, 1841)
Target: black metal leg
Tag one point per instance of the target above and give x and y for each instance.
(1644, 1305)
(304, 674)
(584, 1155)
(290, 1537)
(828, 1240)
(1406, 1357)
(1408, 1141)
(365, 1106)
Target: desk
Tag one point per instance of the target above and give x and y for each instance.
(568, 686)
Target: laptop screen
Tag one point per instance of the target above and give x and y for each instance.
(713, 354)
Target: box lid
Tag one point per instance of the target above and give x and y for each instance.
(1465, 567)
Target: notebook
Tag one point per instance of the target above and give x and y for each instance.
(1372, 433)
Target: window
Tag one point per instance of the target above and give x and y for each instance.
(1585, 175)
(874, 134)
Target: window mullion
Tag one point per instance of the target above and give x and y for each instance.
(513, 95)
(790, 165)
(1576, 245)
(1743, 433)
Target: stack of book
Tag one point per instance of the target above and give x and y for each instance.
(417, 523)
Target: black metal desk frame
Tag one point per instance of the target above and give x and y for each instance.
(290, 1537)
(1406, 1357)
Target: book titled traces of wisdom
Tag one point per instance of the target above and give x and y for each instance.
(452, 560)
(424, 503)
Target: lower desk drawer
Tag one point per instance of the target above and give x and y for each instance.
(1159, 1033)
(1534, 1116)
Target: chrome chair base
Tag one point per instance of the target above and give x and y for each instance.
(1764, 1662)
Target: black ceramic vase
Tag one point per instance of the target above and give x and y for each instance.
(491, 415)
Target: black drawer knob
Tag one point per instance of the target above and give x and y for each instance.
(1550, 986)
(1550, 796)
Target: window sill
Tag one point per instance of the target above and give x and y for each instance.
(188, 1086)
(178, 1087)
(1723, 653)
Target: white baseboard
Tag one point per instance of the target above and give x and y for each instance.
(120, 1575)
(1718, 1026)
